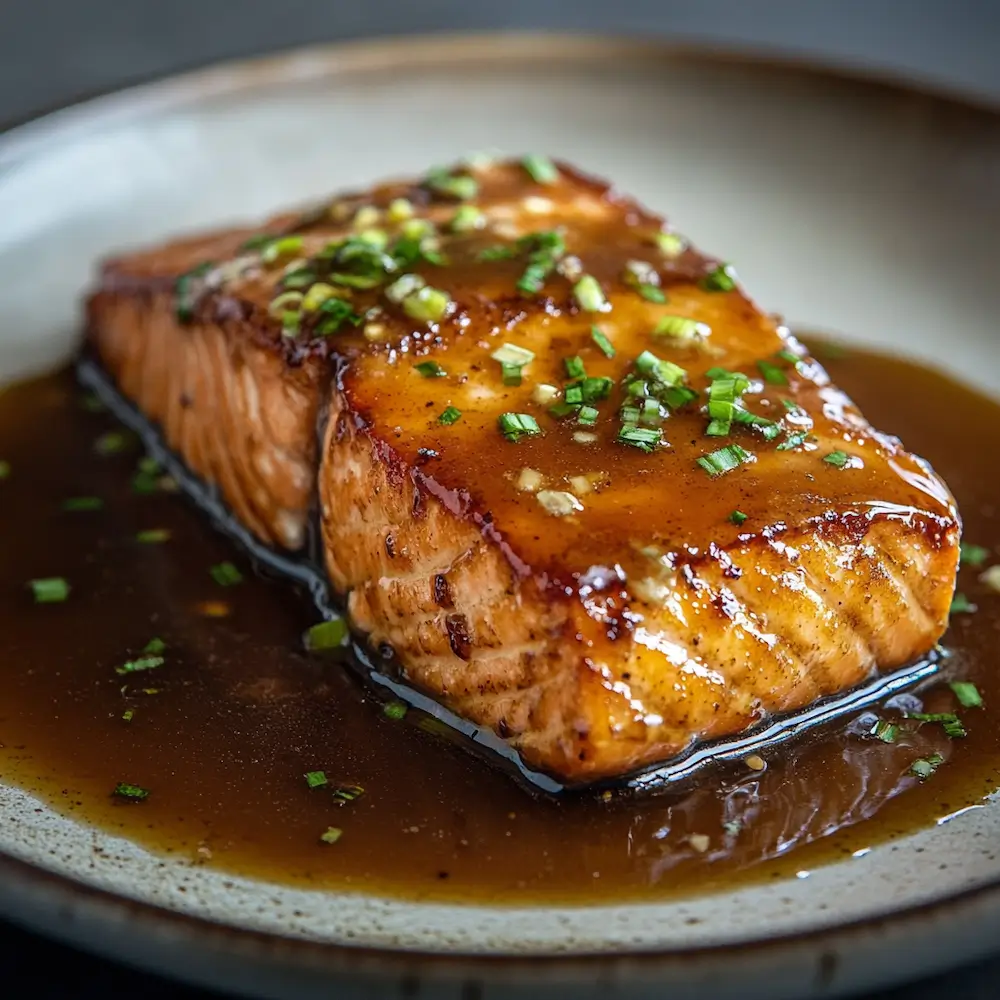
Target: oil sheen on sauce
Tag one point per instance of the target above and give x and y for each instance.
(223, 733)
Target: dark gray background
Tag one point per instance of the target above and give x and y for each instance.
(56, 51)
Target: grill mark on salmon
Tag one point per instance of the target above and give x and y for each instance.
(595, 643)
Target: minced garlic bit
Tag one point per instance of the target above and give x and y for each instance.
(991, 577)
(584, 437)
(558, 502)
(580, 484)
(529, 480)
(755, 762)
(700, 842)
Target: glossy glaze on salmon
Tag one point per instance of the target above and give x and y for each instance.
(650, 521)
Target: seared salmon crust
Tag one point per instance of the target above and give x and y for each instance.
(592, 496)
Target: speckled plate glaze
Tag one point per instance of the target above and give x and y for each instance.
(854, 207)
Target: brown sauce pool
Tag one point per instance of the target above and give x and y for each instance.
(224, 731)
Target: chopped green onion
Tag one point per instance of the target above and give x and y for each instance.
(140, 664)
(772, 374)
(720, 279)
(399, 210)
(670, 244)
(587, 415)
(225, 574)
(405, 284)
(737, 517)
(724, 460)
(514, 426)
(546, 248)
(961, 605)
(284, 303)
(332, 835)
(93, 403)
(950, 722)
(681, 328)
(649, 412)
(924, 767)
(427, 305)
(630, 414)
(838, 459)
(790, 356)
(442, 182)
(512, 354)
(600, 338)
(317, 295)
(793, 441)
(257, 242)
(334, 313)
(111, 443)
(347, 793)
(973, 555)
(594, 388)
(498, 252)
(135, 793)
(644, 438)
(511, 374)
(575, 367)
(128, 715)
(767, 427)
(153, 536)
(4, 469)
(885, 731)
(154, 646)
(82, 503)
(284, 246)
(316, 779)
(395, 710)
(326, 635)
(467, 219)
(967, 694)
(574, 394)
(186, 292)
(541, 169)
(430, 369)
(449, 416)
(49, 590)
(300, 278)
(651, 293)
(589, 295)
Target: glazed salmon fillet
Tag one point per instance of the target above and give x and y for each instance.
(591, 495)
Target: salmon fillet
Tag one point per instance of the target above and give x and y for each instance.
(590, 494)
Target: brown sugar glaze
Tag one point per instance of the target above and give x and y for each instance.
(223, 732)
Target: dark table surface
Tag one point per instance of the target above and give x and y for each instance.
(55, 51)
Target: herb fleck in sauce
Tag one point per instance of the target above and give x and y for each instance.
(222, 731)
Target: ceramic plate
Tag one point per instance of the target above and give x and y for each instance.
(851, 207)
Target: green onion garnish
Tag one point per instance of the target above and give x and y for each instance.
(317, 294)
(427, 305)
(498, 252)
(720, 279)
(737, 517)
(186, 290)
(541, 169)
(600, 338)
(838, 459)
(772, 374)
(135, 793)
(790, 356)
(332, 835)
(793, 441)
(347, 793)
(924, 767)
(449, 416)
(140, 664)
(575, 367)
(111, 443)
(670, 244)
(430, 369)
(724, 460)
(589, 295)
(394, 710)
(961, 605)
(651, 293)
(467, 219)
(49, 590)
(967, 694)
(326, 635)
(681, 328)
(587, 415)
(514, 426)
(950, 722)
(316, 779)
(128, 715)
(154, 646)
(511, 354)
(82, 503)
(973, 555)
(399, 210)
(885, 731)
(153, 536)
(283, 246)
(462, 187)
(333, 313)
(225, 574)
(4, 469)
(644, 438)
